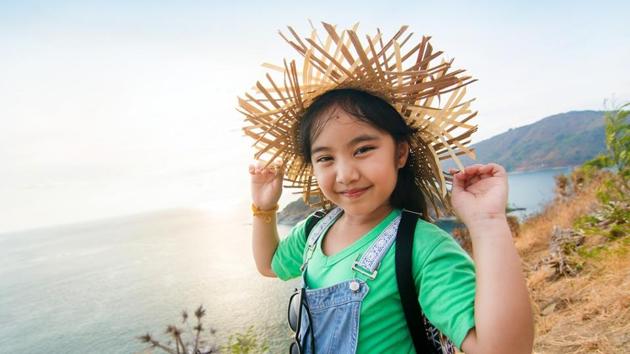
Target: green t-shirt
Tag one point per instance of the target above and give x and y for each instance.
(444, 275)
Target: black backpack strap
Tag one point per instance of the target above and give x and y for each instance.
(313, 220)
(406, 284)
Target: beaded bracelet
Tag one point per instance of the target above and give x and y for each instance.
(266, 214)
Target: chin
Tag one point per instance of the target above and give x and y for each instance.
(356, 207)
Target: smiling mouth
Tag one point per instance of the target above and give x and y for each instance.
(354, 193)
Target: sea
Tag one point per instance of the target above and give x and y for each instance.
(93, 285)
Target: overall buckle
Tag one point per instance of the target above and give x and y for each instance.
(356, 267)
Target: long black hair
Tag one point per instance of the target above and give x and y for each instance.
(380, 114)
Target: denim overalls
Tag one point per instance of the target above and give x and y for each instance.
(335, 310)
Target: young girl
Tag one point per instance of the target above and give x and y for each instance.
(364, 158)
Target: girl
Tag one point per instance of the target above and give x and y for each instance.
(348, 128)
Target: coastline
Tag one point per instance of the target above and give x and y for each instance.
(525, 199)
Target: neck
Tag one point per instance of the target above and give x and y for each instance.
(370, 219)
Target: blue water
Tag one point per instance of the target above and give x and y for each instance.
(528, 191)
(532, 190)
(94, 286)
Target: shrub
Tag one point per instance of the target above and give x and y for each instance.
(200, 342)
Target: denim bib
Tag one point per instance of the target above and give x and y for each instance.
(332, 325)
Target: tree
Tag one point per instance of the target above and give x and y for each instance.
(618, 139)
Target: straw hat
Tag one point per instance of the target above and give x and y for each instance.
(408, 74)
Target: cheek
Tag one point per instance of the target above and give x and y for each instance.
(323, 177)
(388, 176)
(326, 182)
(386, 165)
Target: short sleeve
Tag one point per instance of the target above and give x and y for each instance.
(287, 259)
(446, 279)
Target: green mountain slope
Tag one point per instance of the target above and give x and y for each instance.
(559, 140)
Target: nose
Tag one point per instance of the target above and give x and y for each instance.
(346, 173)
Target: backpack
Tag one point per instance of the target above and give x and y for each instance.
(426, 338)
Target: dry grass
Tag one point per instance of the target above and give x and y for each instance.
(533, 240)
(587, 313)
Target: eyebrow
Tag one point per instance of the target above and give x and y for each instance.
(354, 141)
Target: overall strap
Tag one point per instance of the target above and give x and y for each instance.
(320, 221)
(371, 259)
(313, 220)
(406, 284)
(314, 229)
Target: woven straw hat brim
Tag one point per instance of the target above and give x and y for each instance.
(417, 82)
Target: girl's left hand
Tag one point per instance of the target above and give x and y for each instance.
(479, 192)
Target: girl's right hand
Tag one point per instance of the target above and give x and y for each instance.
(266, 183)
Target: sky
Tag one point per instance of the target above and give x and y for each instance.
(94, 93)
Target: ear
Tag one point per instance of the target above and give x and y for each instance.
(402, 154)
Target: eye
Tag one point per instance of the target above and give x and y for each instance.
(323, 159)
(364, 149)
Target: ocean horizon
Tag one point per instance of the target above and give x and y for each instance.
(96, 285)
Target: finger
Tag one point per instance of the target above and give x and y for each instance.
(472, 180)
(255, 167)
(278, 166)
(487, 169)
(278, 162)
(472, 169)
(258, 165)
(452, 171)
(459, 182)
(469, 179)
(483, 171)
(499, 170)
(494, 169)
(265, 167)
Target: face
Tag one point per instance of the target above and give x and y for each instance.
(356, 164)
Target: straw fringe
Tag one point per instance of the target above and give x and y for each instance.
(406, 78)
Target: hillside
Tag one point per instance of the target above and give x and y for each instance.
(575, 257)
(565, 139)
